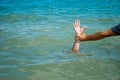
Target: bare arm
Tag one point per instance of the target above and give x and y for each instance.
(78, 31)
(76, 45)
(97, 36)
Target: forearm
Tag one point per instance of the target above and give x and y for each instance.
(96, 36)
(99, 35)
(76, 46)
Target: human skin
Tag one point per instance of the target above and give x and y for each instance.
(78, 32)
(96, 36)
(80, 36)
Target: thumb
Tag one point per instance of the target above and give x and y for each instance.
(83, 28)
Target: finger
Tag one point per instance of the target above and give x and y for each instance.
(74, 25)
(75, 29)
(82, 29)
(78, 22)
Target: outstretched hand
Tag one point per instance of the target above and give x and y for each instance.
(77, 28)
(79, 34)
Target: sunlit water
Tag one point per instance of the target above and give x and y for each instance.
(36, 37)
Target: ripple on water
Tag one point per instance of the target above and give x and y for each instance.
(36, 39)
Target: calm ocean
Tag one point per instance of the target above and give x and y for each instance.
(36, 37)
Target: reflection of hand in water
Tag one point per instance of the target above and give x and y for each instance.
(79, 32)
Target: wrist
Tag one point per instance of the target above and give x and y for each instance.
(77, 35)
(77, 40)
(82, 37)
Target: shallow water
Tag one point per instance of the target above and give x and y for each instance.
(36, 39)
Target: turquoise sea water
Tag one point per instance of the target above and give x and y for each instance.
(36, 37)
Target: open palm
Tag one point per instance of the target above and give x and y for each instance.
(77, 28)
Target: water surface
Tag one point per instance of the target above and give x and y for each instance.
(36, 38)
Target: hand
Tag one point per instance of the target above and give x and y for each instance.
(79, 31)
(77, 28)
(81, 37)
